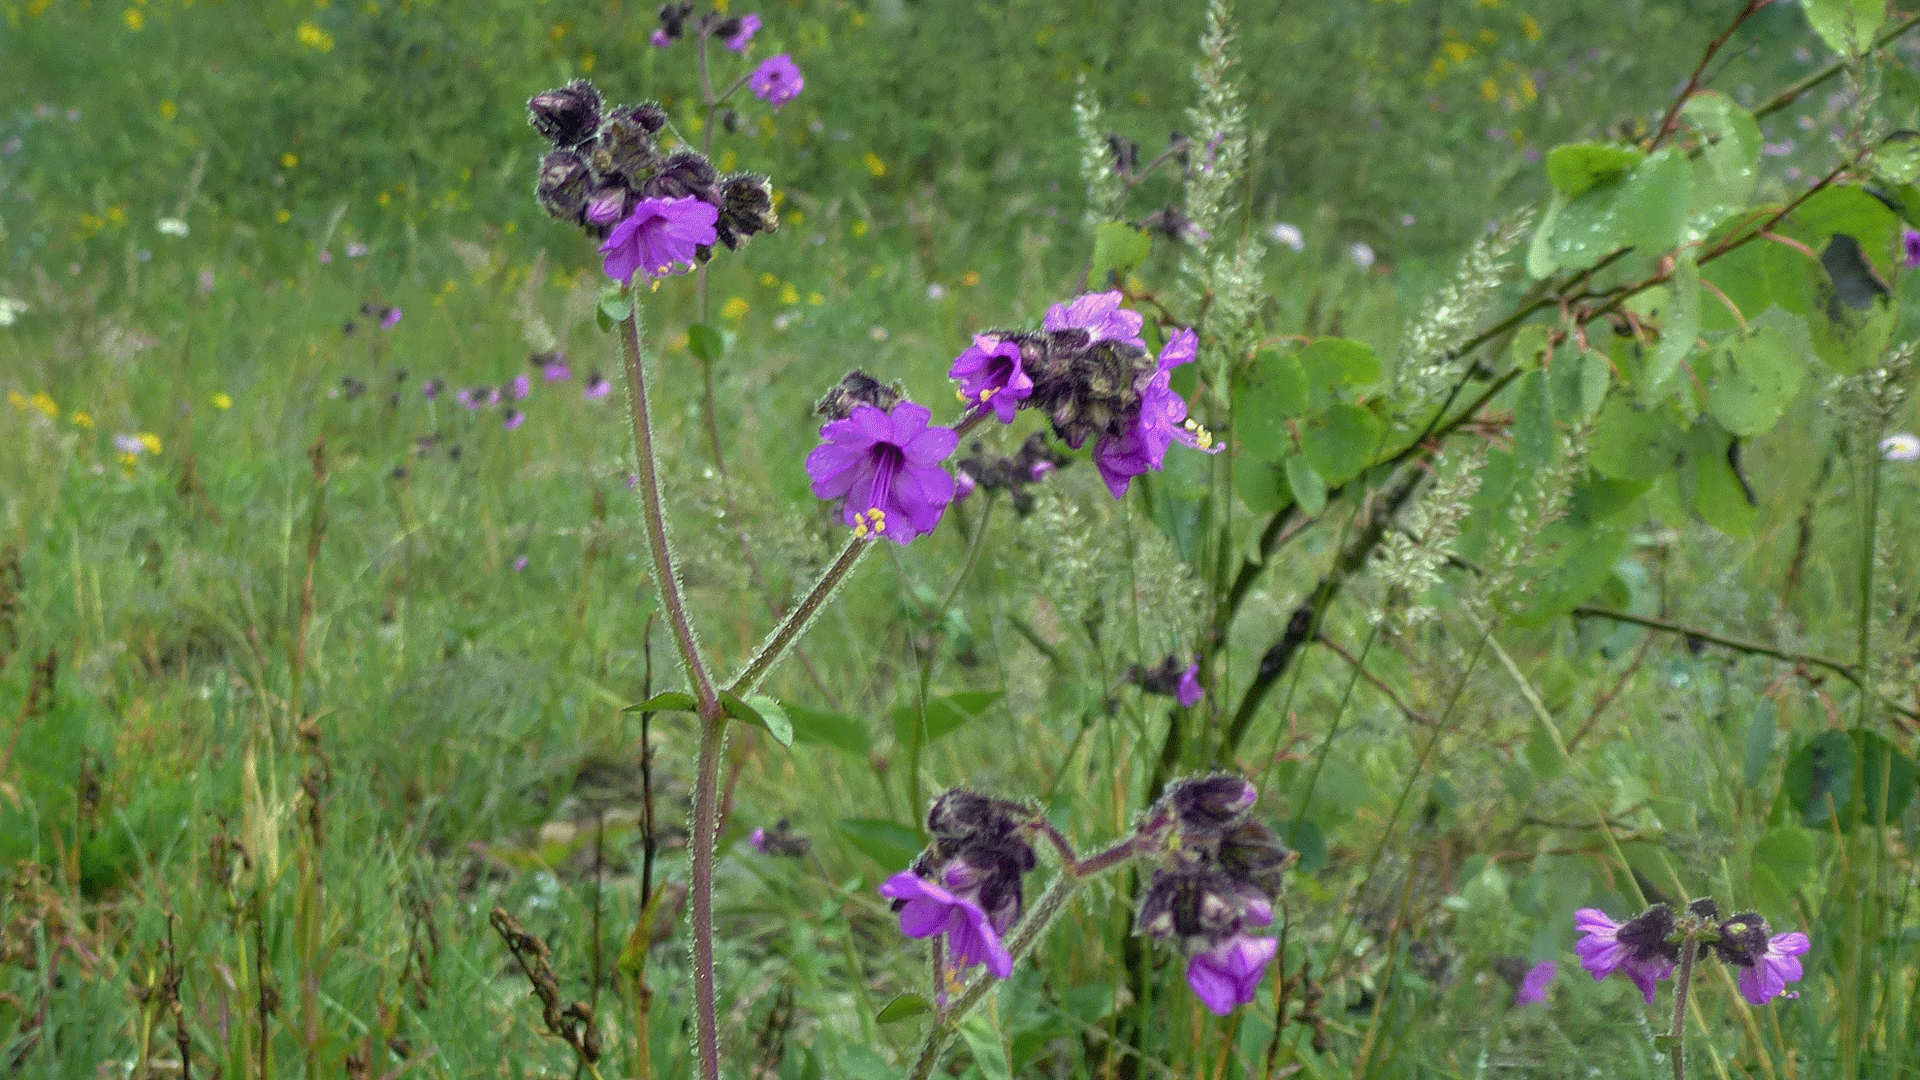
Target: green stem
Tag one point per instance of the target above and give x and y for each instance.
(1678, 1032)
(788, 633)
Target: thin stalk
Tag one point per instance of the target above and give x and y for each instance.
(1678, 1032)
(706, 827)
(786, 635)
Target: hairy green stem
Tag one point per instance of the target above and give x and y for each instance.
(791, 628)
(1683, 983)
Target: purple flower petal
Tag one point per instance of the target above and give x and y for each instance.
(1190, 691)
(777, 80)
(657, 236)
(1533, 988)
(749, 24)
(887, 468)
(1229, 974)
(1101, 316)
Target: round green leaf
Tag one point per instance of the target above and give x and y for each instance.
(1576, 167)
(1117, 248)
(1340, 442)
(1309, 490)
(1646, 209)
(1758, 374)
(1633, 443)
(705, 342)
(1271, 392)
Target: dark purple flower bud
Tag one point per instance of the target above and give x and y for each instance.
(746, 208)
(607, 207)
(857, 389)
(1126, 153)
(597, 386)
(432, 387)
(1199, 906)
(739, 32)
(1169, 222)
(553, 365)
(1211, 803)
(513, 419)
(1646, 935)
(1253, 854)
(568, 116)
(352, 387)
(1743, 939)
(780, 841)
(687, 173)
(673, 17)
(625, 150)
(563, 185)
(959, 815)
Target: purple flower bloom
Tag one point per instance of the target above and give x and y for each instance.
(777, 80)
(597, 386)
(1101, 316)
(326, 257)
(556, 370)
(519, 388)
(1229, 974)
(887, 466)
(519, 564)
(759, 840)
(741, 37)
(431, 388)
(389, 318)
(931, 910)
(658, 234)
(1779, 965)
(475, 397)
(513, 419)
(1162, 421)
(990, 371)
(1533, 987)
(129, 445)
(1190, 691)
(1603, 953)
(1910, 248)
(660, 39)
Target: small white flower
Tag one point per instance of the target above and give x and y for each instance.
(1406, 219)
(172, 226)
(1901, 447)
(1362, 255)
(11, 310)
(936, 291)
(1288, 234)
(878, 333)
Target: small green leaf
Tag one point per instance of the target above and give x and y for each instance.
(1117, 248)
(1274, 390)
(1679, 326)
(888, 843)
(1728, 166)
(1759, 743)
(842, 731)
(1262, 485)
(1897, 158)
(1533, 430)
(1576, 167)
(1541, 261)
(761, 710)
(1720, 494)
(1633, 443)
(1532, 345)
(902, 1007)
(1787, 851)
(1309, 490)
(705, 342)
(1340, 442)
(981, 1032)
(1847, 26)
(614, 306)
(1646, 208)
(671, 701)
(1757, 375)
(1334, 364)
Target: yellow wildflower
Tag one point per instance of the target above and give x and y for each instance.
(222, 402)
(149, 440)
(875, 165)
(1489, 89)
(970, 278)
(283, 215)
(859, 228)
(816, 299)
(789, 294)
(134, 19)
(45, 404)
(315, 38)
(83, 419)
(734, 309)
(16, 399)
(168, 110)
(1530, 28)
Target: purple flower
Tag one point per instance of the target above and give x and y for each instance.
(1101, 316)
(129, 445)
(519, 388)
(1910, 248)
(990, 371)
(741, 37)
(556, 369)
(474, 398)
(1161, 422)
(356, 249)
(597, 386)
(1602, 953)
(513, 419)
(1229, 974)
(1190, 691)
(660, 39)
(930, 910)
(1533, 986)
(519, 564)
(389, 318)
(777, 80)
(431, 388)
(887, 466)
(759, 840)
(658, 234)
(326, 257)
(1779, 965)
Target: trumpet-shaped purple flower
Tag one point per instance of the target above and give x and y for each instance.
(930, 909)
(657, 235)
(1602, 953)
(1774, 969)
(777, 80)
(1161, 422)
(1229, 974)
(742, 37)
(886, 465)
(1910, 248)
(990, 371)
(389, 318)
(1190, 691)
(1101, 316)
(1533, 986)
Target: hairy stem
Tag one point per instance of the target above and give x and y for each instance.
(706, 825)
(786, 635)
(1683, 983)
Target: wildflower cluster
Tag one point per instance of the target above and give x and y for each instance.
(1174, 678)
(1648, 947)
(653, 209)
(967, 884)
(1219, 874)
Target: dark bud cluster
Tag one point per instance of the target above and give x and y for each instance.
(605, 160)
(1036, 459)
(855, 389)
(1220, 869)
(1084, 387)
(674, 17)
(978, 852)
(1163, 680)
(1743, 939)
(1651, 936)
(1169, 222)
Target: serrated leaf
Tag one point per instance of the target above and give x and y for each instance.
(1646, 209)
(842, 731)
(902, 1007)
(1309, 489)
(1679, 326)
(1758, 374)
(1272, 391)
(1340, 442)
(705, 342)
(1117, 248)
(671, 701)
(1847, 26)
(1575, 168)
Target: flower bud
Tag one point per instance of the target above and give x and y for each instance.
(746, 208)
(1253, 854)
(1211, 803)
(684, 173)
(568, 116)
(625, 150)
(859, 388)
(1646, 934)
(563, 185)
(1743, 939)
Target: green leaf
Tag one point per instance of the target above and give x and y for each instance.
(1897, 158)
(1787, 851)
(842, 731)
(1261, 484)
(1759, 742)
(902, 1007)
(1587, 555)
(1332, 364)
(1532, 346)
(1533, 430)
(1728, 166)
(1340, 442)
(1117, 248)
(614, 306)
(1274, 390)
(980, 1031)
(1753, 277)
(1849, 209)
(1679, 326)
(705, 342)
(1847, 26)
(1309, 490)
(1820, 776)
(1633, 443)
(1543, 757)
(945, 715)
(1540, 258)
(888, 843)
(1644, 209)
(762, 710)
(1576, 167)
(671, 701)
(1758, 374)
(1580, 381)
(1720, 494)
